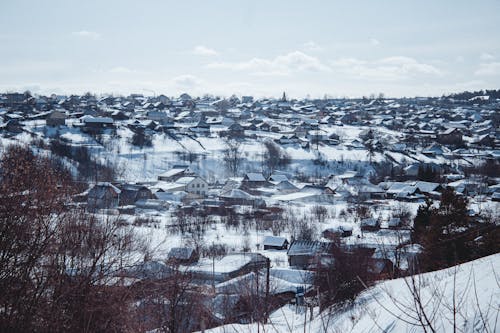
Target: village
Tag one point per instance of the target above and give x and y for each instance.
(247, 193)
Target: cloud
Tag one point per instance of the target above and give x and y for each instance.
(204, 51)
(186, 81)
(87, 34)
(312, 46)
(488, 69)
(390, 68)
(486, 57)
(122, 70)
(292, 62)
(374, 41)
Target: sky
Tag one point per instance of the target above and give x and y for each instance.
(261, 48)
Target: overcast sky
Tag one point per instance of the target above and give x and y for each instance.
(339, 48)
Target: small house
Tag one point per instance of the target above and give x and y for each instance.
(177, 171)
(370, 224)
(103, 195)
(183, 255)
(56, 118)
(394, 223)
(340, 231)
(275, 243)
(254, 179)
(131, 193)
(303, 254)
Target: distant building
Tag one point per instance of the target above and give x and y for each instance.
(131, 193)
(304, 254)
(56, 118)
(175, 173)
(450, 136)
(275, 243)
(103, 195)
(183, 255)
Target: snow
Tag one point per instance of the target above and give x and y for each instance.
(389, 306)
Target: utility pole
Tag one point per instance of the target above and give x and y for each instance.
(268, 268)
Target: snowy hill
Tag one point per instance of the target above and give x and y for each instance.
(472, 289)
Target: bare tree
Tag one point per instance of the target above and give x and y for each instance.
(232, 156)
(57, 263)
(274, 157)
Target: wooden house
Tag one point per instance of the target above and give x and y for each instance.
(275, 243)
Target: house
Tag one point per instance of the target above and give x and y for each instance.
(340, 231)
(131, 193)
(254, 179)
(370, 224)
(56, 118)
(239, 197)
(235, 130)
(103, 195)
(12, 126)
(369, 191)
(429, 189)
(182, 255)
(96, 124)
(450, 136)
(246, 99)
(275, 243)
(192, 184)
(119, 115)
(175, 173)
(304, 254)
(227, 267)
(434, 150)
(277, 177)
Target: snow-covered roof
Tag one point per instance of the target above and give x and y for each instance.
(238, 194)
(369, 222)
(100, 120)
(180, 253)
(301, 247)
(255, 177)
(274, 241)
(278, 178)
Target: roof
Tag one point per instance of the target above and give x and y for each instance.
(185, 180)
(278, 178)
(101, 120)
(237, 194)
(301, 247)
(100, 189)
(255, 177)
(394, 222)
(172, 172)
(369, 222)
(426, 186)
(181, 253)
(274, 241)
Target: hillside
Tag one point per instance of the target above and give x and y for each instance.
(390, 307)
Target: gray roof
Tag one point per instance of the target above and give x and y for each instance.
(181, 253)
(370, 222)
(274, 241)
(255, 177)
(307, 248)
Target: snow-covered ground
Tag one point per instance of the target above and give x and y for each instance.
(465, 297)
